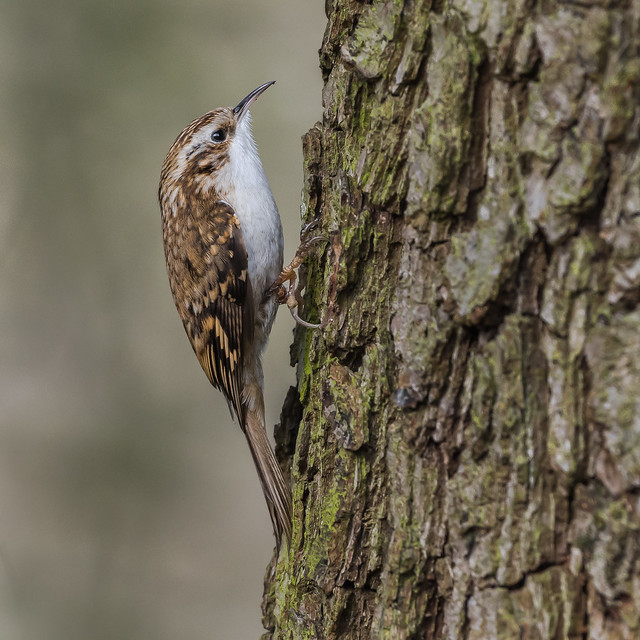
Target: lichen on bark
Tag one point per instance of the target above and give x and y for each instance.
(463, 438)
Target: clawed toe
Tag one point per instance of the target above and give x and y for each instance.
(302, 322)
(310, 226)
(311, 243)
(293, 302)
(291, 296)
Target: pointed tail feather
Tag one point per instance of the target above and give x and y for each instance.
(274, 487)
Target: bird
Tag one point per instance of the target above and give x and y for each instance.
(223, 245)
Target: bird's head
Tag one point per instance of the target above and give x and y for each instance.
(211, 149)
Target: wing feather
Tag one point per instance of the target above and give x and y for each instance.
(210, 283)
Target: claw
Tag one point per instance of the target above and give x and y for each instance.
(312, 242)
(291, 296)
(304, 323)
(309, 227)
(294, 301)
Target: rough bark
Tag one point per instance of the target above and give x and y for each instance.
(464, 440)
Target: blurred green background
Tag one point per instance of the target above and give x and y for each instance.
(129, 506)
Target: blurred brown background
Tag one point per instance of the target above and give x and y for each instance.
(129, 506)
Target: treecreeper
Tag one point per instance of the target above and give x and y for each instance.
(223, 245)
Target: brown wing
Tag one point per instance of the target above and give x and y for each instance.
(208, 272)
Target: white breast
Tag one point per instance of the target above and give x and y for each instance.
(243, 184)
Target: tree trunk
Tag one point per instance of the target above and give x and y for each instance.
(464, 440)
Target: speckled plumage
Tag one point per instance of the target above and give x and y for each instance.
(208, 268)
(223, 247)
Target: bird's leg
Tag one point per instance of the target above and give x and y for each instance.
(291, 295)
(307, 244)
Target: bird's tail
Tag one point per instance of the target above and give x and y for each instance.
(274, 487)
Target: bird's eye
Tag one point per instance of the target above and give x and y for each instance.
(219, 135)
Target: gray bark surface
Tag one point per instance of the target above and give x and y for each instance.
(464, 440)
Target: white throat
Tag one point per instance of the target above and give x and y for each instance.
(242, 183)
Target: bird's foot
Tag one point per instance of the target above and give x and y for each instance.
(292, 295)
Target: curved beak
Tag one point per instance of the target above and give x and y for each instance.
(243, 106)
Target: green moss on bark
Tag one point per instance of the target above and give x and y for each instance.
(466, 465)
